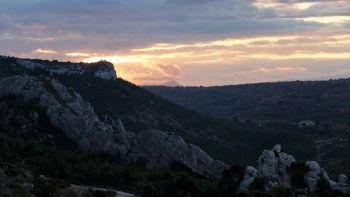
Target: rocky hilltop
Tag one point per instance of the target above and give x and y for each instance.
(67, 111)
(102, 69)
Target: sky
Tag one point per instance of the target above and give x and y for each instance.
(194, 42)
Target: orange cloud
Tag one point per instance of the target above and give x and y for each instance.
(143, 64)
(326, 19)
(78, 54)
(44, 51)
(169, 69)
(283, 69)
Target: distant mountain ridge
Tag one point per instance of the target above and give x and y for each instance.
(171, 84)
(319, 101)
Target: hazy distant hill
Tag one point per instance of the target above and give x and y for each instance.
(171, 84)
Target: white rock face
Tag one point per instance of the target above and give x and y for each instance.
(65, 109)
(272, 165)
(106, 72)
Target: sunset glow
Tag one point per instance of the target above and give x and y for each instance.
(192, 42)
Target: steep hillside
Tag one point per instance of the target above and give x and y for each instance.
(38, 158)
(229, 141)
(61, 135)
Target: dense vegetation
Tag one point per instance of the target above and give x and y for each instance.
(322, 101)
(51, 170)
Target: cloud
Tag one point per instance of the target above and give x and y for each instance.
(283, 69)
(169, 69)
(77, 54)
(109, 24)
(182, 38)
(45, 51)
(189, 2)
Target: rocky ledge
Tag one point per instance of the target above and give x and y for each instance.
(67, 111)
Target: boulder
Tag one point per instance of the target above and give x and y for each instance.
(249, 177)
(313, 176)
(342, 184)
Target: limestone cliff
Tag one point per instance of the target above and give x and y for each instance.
(67, 111)
(101, 69)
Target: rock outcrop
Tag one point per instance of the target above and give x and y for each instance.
(249, 177)
(106, 71)
(102, 69)
(273, 165)
(67, 111)
(342, 184)
(162, 148)
(316, 173)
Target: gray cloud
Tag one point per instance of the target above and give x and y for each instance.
(115, 26)
(118, 24)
